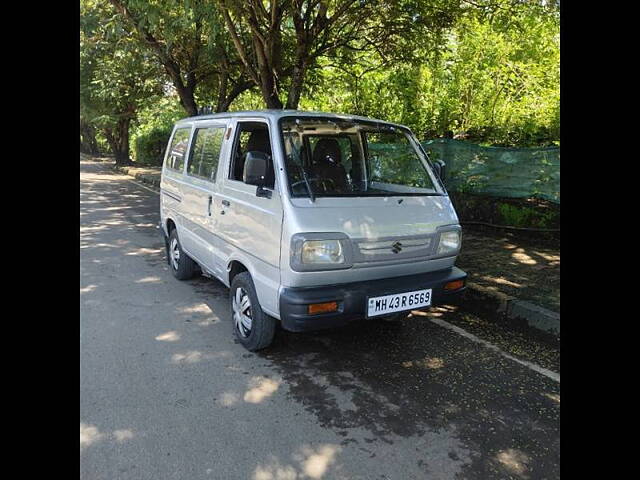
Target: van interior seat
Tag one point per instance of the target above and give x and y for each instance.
(327, 162)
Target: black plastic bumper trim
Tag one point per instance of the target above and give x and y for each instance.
(352, 297)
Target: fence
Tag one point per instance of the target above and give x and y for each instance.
(498, 171)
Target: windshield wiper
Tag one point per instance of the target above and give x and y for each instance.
(312, 197)
(296, 151)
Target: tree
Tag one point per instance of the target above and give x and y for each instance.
(187, 41)
(88, 141)
(279, 42)
(116, 79)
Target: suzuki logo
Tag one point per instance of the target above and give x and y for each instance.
(396, 247)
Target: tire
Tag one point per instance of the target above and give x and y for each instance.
(258, 332)
(181, 265)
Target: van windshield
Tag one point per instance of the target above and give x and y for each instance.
(333, 158)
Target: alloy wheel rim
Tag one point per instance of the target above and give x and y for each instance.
(242, 315)
(175, 254)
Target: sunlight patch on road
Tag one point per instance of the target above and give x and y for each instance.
(313, 463)
(89, 434)
(275, 471)
(260, 388)
(522, 257)
(171, 336)
(152, 279)
(196, 356)
(193, 356)
(198, 308)
(88, 288)
(228, 399)
(553, 396)
(144, 251)
(430, 363)
(513, 460)
(202, 312)
(319, 460)
(123, 435)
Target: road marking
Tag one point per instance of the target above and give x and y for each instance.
(536, 368)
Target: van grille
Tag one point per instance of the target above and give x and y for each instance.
(393, 248)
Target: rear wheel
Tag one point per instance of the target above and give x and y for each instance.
(252, 327)
(182, 266)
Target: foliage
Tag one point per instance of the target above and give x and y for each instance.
(527, 216)
(515, 212)
(187, 39)
(116, 79)
(281, 43)
(487, 81)
(486, 71)
(151, 135)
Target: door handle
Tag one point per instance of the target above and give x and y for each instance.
(209, 205)
(226, 203)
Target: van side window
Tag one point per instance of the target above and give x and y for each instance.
(175, 159)
(251, 137)
(205, 152)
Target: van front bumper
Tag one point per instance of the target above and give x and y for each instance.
(352, 298)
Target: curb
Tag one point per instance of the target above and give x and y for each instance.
(144, 178)
(513, 309)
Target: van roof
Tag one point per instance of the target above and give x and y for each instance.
(277, 114)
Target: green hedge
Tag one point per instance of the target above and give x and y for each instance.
(150, 146)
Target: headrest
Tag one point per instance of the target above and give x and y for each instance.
(327, 147)
(259, 141)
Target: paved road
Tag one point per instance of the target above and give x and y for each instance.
(166, 393)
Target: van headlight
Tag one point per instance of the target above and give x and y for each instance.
(320, 251)
(449, 242)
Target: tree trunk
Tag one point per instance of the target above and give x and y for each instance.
(88, 142)
(189, 104)
(223, 81)
(271, 99)
(297, 80)
(269, 88)
(225, 102)
(118, 140)
(122, 154)
(187, 100)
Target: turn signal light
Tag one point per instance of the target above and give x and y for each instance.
(455, 285)
(322, 307)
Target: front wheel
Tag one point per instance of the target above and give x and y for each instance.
(182, 266)
(252, 327)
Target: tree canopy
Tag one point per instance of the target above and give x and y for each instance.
(484, 70)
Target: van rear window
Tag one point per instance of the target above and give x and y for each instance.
(205, 152)
(177, 149)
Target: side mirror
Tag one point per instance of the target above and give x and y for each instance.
(255, 168)
(439, 167)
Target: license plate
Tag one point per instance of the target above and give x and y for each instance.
(398, 302)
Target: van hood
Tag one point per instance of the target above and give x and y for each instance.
(375, 217)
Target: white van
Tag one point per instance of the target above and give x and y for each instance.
(312, 219)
